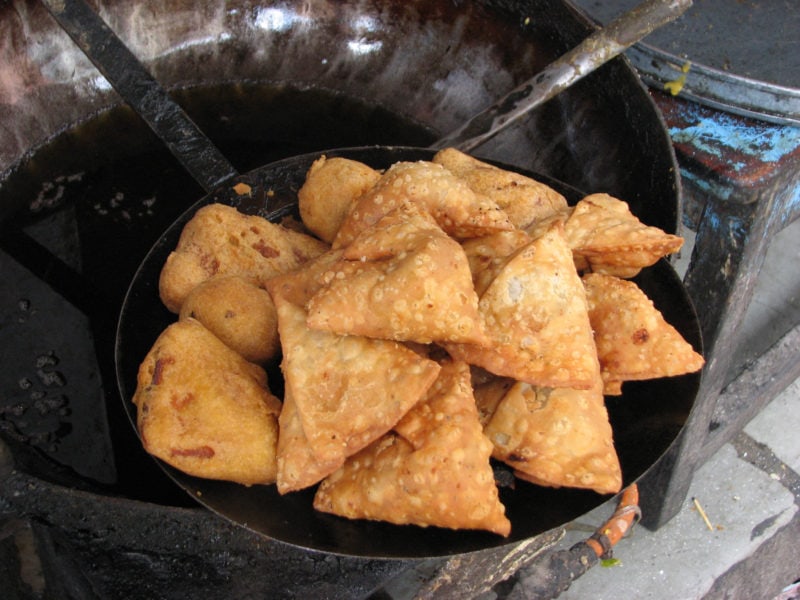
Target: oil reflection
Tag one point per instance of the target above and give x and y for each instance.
(278, 19)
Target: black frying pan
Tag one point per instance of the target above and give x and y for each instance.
(646, 419)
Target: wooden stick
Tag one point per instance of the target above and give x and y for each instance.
(703, 514)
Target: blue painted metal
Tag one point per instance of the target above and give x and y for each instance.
(731, 158)
(742, 179)
(758, 141)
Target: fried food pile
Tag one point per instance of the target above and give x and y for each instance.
(438, 317)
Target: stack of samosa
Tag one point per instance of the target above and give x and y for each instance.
(448, 313)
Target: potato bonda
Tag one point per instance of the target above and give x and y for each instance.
(239, 313)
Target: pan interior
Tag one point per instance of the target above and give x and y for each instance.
(646, 419)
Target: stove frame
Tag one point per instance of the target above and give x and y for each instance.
(735, 218)
(740, 194)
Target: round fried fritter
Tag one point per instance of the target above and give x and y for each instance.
(332, 185)
(239, 313)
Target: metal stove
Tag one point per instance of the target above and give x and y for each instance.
(84, 513)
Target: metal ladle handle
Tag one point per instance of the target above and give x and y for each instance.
(596, 50)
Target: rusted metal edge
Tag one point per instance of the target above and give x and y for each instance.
(708, 86)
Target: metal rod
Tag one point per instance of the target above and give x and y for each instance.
(131, 80)
(596, 50)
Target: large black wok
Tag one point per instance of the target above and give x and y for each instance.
(638, 417)
(437, 63)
